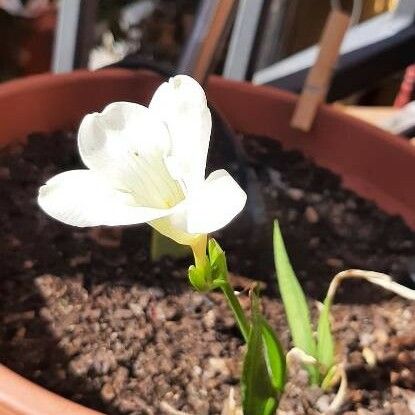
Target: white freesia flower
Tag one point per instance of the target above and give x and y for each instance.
(148, 165)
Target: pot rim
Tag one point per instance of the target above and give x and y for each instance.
(19, 396)
(374, 163)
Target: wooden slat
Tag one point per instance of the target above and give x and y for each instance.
(318, 79)
(213, 39)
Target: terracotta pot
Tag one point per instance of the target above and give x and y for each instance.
(371, 162)
(18, 396)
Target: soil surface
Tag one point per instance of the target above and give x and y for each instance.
(84, 313)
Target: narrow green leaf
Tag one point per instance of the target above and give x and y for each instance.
(217, 259)
(295, 303)
(325, 341)
(274, 356)
(259, 395)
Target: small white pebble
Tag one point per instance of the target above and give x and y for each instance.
(369, 356)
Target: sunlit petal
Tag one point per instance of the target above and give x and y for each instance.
(81, 198)
(216, 203)
(127, 144)
(181, 103)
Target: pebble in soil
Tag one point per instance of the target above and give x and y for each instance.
(85, 314)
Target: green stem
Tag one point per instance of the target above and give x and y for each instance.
(236, 308)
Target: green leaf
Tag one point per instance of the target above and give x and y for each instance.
(263, 374)
(274, 356)
(200, 277)
(217, 260)
(295, 303)
(325, 341)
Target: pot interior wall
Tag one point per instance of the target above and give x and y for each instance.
(373, 163)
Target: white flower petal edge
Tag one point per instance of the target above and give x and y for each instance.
(217, 202)
(81, 198)
(181, 103)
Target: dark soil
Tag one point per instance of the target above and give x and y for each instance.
(85, 314)
(326, 227)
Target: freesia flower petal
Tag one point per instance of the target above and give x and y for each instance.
(181, 103)
(127, 144)
(173, 227)
(216, 203)
(81, 198)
